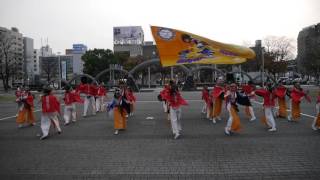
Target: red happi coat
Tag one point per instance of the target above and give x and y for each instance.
(164, 93)
(175, 101)
(101, 91)
(217, 91)
(268, 97)
(280, 91)
(50, 104)
(131, 97)
(205, 96)
(72, 97)
(29, 100)
(88, 89)
(297, 95)
(248, 89)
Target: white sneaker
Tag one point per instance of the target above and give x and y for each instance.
(253, 119)
(116, 132)
(176, 136)
(226, 131)
(219, 118)
(272, 130)
(314, 128)
(214, 121)
(289, 118)
(20, 126)
(43, 137)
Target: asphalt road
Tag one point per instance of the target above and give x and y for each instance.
(146, 150)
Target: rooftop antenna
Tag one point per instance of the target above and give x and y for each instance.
(41, 49)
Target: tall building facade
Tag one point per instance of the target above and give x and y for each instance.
(28, 60)
(46, 51)
(77, 51)
(149, 50)
(36, 61)
(308, 43)
(128, 39)
(17, 53)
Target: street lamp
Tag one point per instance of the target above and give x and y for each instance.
(262, 58)
(59, 64)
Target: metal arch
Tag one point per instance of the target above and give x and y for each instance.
(266, 75)
(110, 69)
(246, 74)
(57, 80)
(82, 75)
(152, 62)
(206, 67)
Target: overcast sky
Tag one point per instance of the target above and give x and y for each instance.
(91, 22)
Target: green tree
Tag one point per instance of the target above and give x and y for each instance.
(273, 66)
(97, 60)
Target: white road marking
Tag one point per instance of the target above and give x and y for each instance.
(15, 116)
(9, 117)
(307, 115)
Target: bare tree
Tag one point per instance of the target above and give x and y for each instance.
(7, 59)
(278, 51)
(49, 66)
(280, 48)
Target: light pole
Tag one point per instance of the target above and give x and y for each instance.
(262, 59)
(149, 77)
(59, 63)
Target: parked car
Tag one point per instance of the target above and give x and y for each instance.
(285, 80)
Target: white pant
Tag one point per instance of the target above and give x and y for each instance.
(70, 111)
(175, 117)
(204, 107)
(268, 112)
(165, 108)
(46, 119)
(88, 101)
(208, 110)
(230, 119)
(251, 112)
(100, 103)
(317, 112)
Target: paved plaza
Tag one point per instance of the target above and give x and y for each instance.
(146, 150)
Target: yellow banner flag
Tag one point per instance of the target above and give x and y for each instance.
(177, 47)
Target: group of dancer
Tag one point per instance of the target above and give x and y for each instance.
(242, 95)
(234, 95)
(122, 104)
(93, 95)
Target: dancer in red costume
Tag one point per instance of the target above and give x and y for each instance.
(175, 101)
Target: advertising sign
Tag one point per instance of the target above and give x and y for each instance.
(128, 35)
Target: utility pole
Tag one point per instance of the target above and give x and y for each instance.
(262, 58)
(59, 63)
(149, 77)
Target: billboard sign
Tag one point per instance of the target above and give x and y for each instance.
(128, 35)
(64, 70)
(79, 48)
